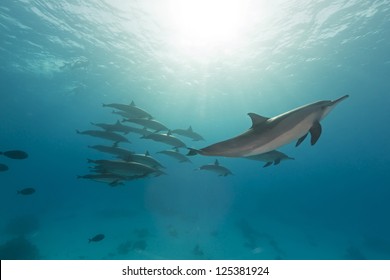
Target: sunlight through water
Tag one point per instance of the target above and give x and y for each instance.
(202, 27)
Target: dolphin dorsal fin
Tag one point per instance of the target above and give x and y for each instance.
(176, 149)
(147, 153)
(118, 122)
(132, 103)
(216, 162)
(257, 119)
(115, 145)
(169, 133)
(190, 128)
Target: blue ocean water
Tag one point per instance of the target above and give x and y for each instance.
(190, 66)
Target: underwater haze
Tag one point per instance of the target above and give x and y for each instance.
(204, 64)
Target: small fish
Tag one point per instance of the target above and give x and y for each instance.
(96, 238)
(3, 167)
(26, 191)
(15, 154)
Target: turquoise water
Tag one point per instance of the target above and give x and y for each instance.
(205, 66)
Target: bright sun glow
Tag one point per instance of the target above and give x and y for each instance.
(207, 25)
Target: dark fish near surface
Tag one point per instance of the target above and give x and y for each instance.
(3, 167)
(15, 154)
(26, 191)
(96, 238)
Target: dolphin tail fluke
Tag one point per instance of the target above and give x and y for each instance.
(193, 152)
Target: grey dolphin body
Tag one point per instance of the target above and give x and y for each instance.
(166, 138)
(116, 127)
(112, 136)
(132, 110)
(176, 155)
(188, 133)
(113, 150)
(272, 157)
(145, 159)
(148, 123)
(124, 168)
(268, 134)
(220, 170)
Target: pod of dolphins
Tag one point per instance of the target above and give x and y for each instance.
(260, 142)
(124, 164)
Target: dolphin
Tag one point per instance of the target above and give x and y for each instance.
(268, 134)
(165, 138)
(272, 157)
(132, 110)
(113, 150)
(124, 168)
(175, 154)
(217, 168)
(188, 133)
(110, 179)
(116, 127)
(112, 136)
(148, 123)
(145, 159)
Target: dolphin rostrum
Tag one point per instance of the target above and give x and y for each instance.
(268, 134)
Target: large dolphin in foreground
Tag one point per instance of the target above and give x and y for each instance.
(268, 134)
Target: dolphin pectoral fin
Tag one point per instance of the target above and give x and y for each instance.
(276, 162)
(300, 140)
(315, 132)
(267, 164)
